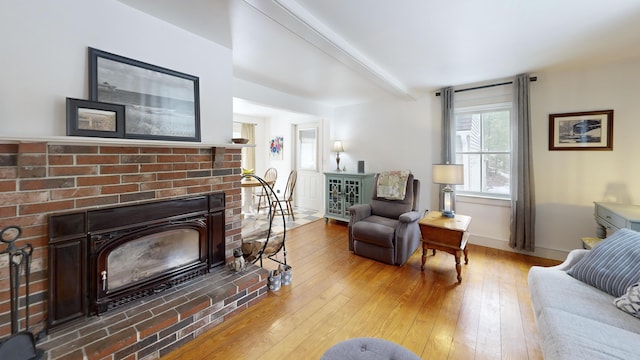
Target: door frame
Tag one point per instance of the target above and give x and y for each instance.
(318, 124)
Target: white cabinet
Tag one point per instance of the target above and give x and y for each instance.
(343, 190)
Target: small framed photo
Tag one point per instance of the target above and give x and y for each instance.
(92, 118)
(590, 130)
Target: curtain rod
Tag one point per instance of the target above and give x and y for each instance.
(533, 78)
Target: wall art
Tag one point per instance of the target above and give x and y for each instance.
(276, 146)
(590, 130)
(161, 104)
(92, 118)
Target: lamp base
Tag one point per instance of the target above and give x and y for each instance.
(448, 214)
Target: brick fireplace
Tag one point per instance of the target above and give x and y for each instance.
(38, 179)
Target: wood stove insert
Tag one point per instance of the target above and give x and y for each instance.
(101, 259)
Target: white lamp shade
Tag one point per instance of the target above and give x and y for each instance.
(337, 146)
(448, 174)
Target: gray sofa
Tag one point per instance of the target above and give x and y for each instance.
(578, 321)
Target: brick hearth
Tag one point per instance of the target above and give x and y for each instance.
(160, 323)
(41, 178)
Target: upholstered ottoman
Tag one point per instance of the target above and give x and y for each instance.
(368, 349)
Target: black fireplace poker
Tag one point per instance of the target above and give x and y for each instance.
(20, 345)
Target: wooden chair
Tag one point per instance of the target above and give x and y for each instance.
(285, 205)
(270, 177)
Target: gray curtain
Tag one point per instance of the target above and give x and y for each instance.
(523, 209)
(448, 121)
(448, 133)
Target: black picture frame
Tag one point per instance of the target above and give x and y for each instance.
(160, 104)
(95, 119)
(587, 130)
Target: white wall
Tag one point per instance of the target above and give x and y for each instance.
(568, 182)
(44, 60)
(388, 135)
(296, 110)
(397, 135)
(282, 126)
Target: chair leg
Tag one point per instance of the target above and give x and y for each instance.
(259, 202)
(274, 208)
(290, 210)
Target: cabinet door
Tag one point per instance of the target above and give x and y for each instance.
(352, 192)
(335, 205)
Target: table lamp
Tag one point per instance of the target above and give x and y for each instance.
(447, 175)
(337, 148)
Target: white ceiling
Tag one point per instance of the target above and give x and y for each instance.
(341, 52)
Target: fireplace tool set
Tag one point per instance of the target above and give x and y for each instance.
(21, 344)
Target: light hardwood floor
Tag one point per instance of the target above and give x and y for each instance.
(336, 295)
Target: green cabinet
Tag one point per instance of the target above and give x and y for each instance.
(342, 190)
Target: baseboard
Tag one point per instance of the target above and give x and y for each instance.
(504, 245)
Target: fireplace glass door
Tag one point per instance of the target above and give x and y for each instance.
(150, 255)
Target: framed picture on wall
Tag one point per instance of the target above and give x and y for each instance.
(276, 146)
(160, 104)
(92, 118)
(590, 130)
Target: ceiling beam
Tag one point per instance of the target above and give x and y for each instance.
(293, 17)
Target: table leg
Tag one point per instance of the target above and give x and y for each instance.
(248, 207)
(466, 256)
(424, 255)
(458, 267)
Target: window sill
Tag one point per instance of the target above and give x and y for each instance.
(483, 200)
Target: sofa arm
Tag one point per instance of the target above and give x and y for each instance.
(409, 217)
(359, 212)
(573, 257)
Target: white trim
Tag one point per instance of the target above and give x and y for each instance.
(97, 141)
(483, 200)
(546, 253)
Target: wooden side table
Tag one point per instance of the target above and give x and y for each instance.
(589, 242)
(445, 234)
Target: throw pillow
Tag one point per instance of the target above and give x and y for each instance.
(613, 265)
(630, 301)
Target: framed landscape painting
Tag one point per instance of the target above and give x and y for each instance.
(160, 104)
(590, 130)
(91, 118)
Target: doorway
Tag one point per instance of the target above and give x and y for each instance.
(307, 162)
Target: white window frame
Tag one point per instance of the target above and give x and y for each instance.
(498, 106)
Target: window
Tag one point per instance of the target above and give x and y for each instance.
(307, 152)
(246, 130)
(483, 145)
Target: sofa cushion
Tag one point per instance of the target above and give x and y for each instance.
(630, 301)
(552, 288)
(375, 230)
(613, 265)
(568, 336)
